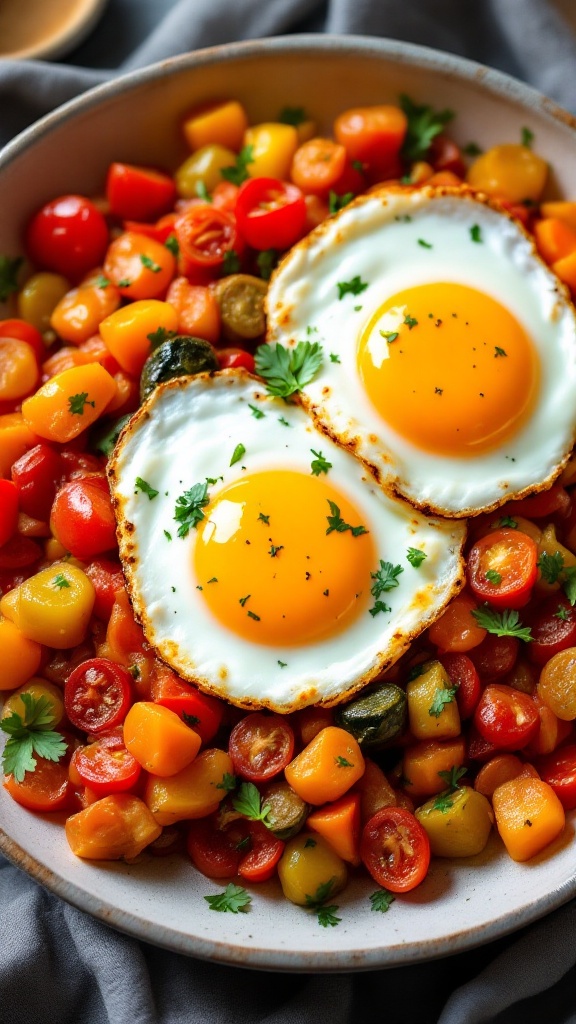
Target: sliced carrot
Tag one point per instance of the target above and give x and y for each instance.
(117, 826)
(69, 403)
(529, 816)
(339, 823)
(327, 767)
(159, 740)
(126, 333)
(500, 769)
(423, 762)
(554, 238)
(197, 309)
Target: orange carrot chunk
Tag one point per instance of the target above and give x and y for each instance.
(339, 823)
(159, 740)
(327, 768)
(529, 816)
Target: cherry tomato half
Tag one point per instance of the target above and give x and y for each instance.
(106, 766)
(502, 568)
(107, 577)
(8, 511)
(495, 656)
(97, 695)
(205, 235)
(83, 518)
(37, 475)
(185, 699)
(139, 193)
(214, 851)
(462, 673)
(19, 553)
(261, 746)
(395, 849)
(271, 214)
(558, 769)
(24, 331)
(68, 235)
(505, 717)
(265, 850)
(48, 787)
(232, 358)
(553, 625)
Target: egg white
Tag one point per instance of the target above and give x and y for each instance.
(378, 238)
(187, 431)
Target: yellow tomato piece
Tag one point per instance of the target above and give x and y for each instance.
(37, 688)
(70, 402)
(529, 816)
(458, 824)
(116, 826)
(39, 297)
(18, 369)
(430, 717)
(192, 792)
(273, 147)
(327, 768)
(203, 168)
(53, 607)
(216, 122)
(310, 870)
(509, 171)
(16, 438)
(159, 740)
(20, 656)
(125, 332)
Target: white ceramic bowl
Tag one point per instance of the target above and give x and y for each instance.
(462, 903)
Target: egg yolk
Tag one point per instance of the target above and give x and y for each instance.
(270, 566)
(449, 368)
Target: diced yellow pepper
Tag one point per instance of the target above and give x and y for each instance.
(273, 147)
(458, 824)
(53, 607)
(20, 656)
(431, 713)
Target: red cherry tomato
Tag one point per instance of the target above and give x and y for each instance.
(502, 568)
(462, 673)
(97, 695)
(261, 746)
(205, 235)
(19, 553)
(224, 196)
(160, 231)
(480, 749)
(83, 519)
(48, 787)
(506, 717)
(107, 577)
(214, 851)
(259, 863)
(558, 769)
(554, 501)
(553, 625)
(395, 849)
(445, 155)
(495, 656)
(106, 766)
(139, 193)
(37, 475)
(8, 510)
(185, 699)
(232, 358)
(68, 235)
(79, 463)
(271, 214)
(24, 331)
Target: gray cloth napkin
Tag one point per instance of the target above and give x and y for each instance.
(58, 965)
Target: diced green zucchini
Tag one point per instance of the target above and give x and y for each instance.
(376, 719)
(176, 357)
(288, 812)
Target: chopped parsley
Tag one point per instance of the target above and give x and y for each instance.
(231, 262)
(77, 403)
(499, 351)
(248, 802)
(256, 412)
(310, 843)
(159, 336)
(410, 321)
(354, 287)
(381, 900)
(233, 899)
(149, 263)
(242, 600)
(389, 336)
(452, 778)
(190, 720)
(252, 615)
(238, 172)
(561, 613)
(493, 577)
(172, 245)
(9, 267)
(424, 244)
(263, 518)
(569, 585)
(385, 578)
(443, 803)
(283, 664)
(527, 137)
(237, 454)
(202, 192)
(287, 371)
(283, 422)
(550, 566)
(101, 281)
(124, 282)
(424, 124)
(442, 697)
(476, 233)
(336, 523)
(293, 116)
(266, 260)
(342, 762)
(167, 535)
(274, 550)
(30, 734)
(415, 556)
(319, 464)
(507, 521)
(334, 358)
(228, 783)
(188, 511)
(60, 582)
(338, 202)
(141, 485)
(326, 915)
(505, 623)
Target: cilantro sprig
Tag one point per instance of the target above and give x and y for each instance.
(233, 899)
(381, 900)
(505, 623)
(319, 464)
(188, 511)
(287, 371)
(29, 734)
(424, 124)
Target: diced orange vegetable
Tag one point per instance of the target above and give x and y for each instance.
(311, 721)
(18, 369)
(139, 266)
(554, 239)
(552, 731)
(126, 331)
(565, 269)
(192, 792)
(127, 397)
(511, 171)
(429, 717)
(49, 613)
(218, 121)
(456, 629)
(561, 210)
(124, 636)
(529, 816)
(317, 165)
(375, 790)
(423, 761)
(69, 403)
(373, 135)
(64, 359)
(327, 767)
(197, 309)
(500, 769)
(20, 656)
(159, 740)
(339, 823)
(116, 826)
(273, 147)
(16, 437)
(78, 314)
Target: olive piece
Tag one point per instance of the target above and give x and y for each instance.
(241, 301)
(375, 719)
(181, 356)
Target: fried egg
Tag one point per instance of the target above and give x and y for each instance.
(449, 346)
(262, 559)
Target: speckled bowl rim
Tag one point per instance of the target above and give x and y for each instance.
(388, 955)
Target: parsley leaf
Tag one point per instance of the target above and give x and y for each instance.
(507, 521)
(452, 778)
(231, 262)
(561, 613)
(228, 783)
(141, 485)
(381, 900)
(442, 697)
(334, 358)
(188, 511)
(149, 263)
(338, 202)
(550, 566)
(9, 267)
(237, 454)
(76, 403)
(354, 287)
(342, 762)
(443, 803)
(288, 370)
(415, 556)
(248, 803)
(234, 898)
(527, 137)
(389, 336)
(319, 464)
(159, 336)
(410, 321)
(493, 577)
(499, 351)
(471, 149)
(379, 606)
(191, 720)
(60, 582)
(327, 916)
(101, 281)
(385, 578)
(30, 734)
(424, 124)
(256, 412)
(238, 172)
(506, 623)
(569, 585)
(424, 243)
(172, 245)
(266, 260)
(336, 523)
(293, 116)
(476, 233)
